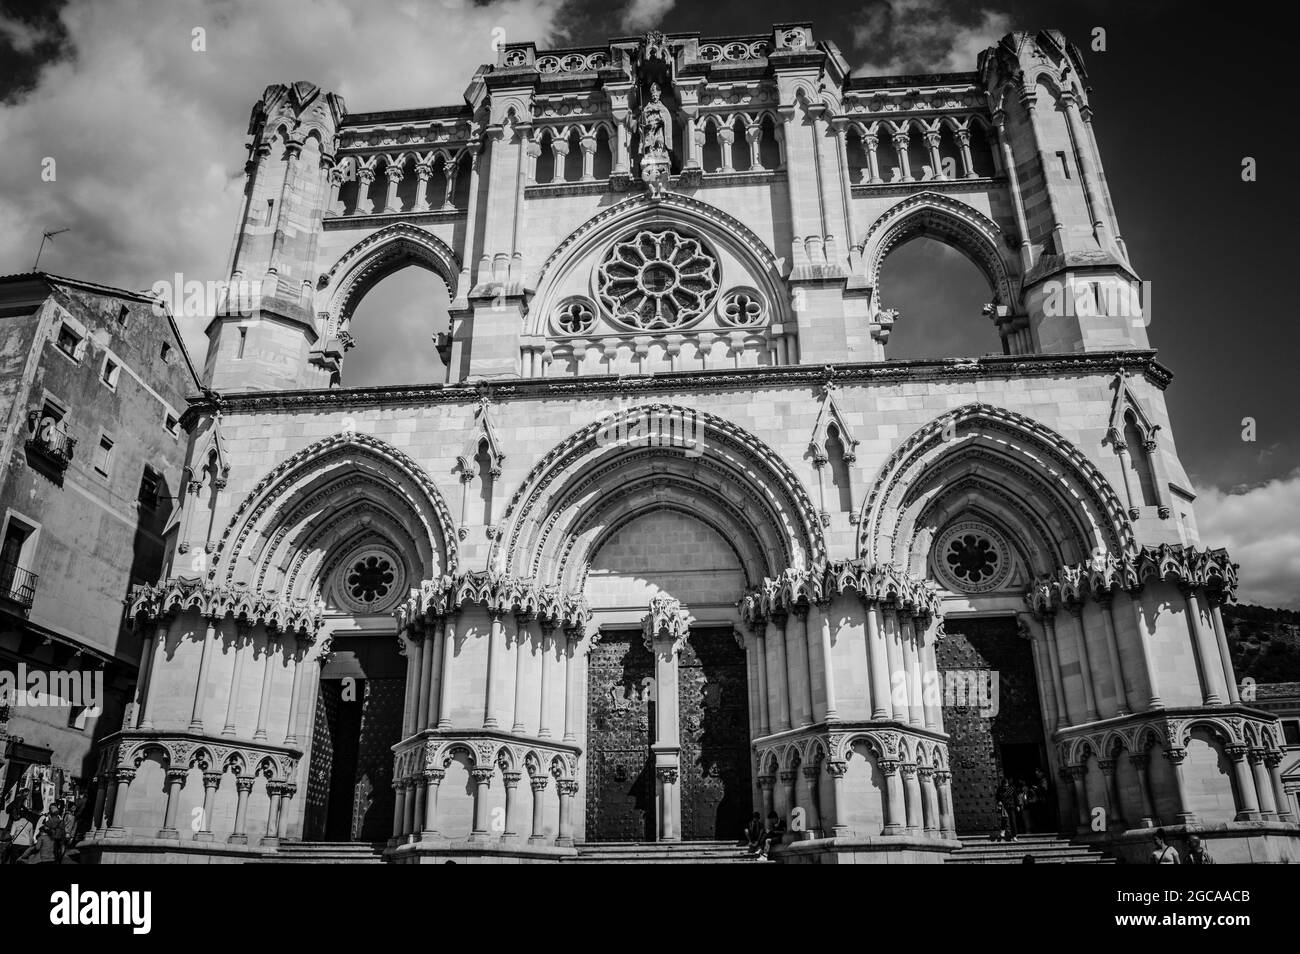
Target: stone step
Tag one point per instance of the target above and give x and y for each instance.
(325, 853)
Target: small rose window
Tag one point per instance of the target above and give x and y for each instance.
(370, 578)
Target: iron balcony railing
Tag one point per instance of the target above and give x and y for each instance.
(50, 439)
(17, 584)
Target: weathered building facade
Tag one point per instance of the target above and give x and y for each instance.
(671, 540)
(94, 382)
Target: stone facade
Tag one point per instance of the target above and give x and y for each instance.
(667, 415)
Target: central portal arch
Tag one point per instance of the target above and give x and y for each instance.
(660, 503)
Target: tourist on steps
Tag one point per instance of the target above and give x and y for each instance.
(754, 833)
(1164, 854)
(1197, 853)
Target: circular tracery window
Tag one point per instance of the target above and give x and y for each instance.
(655, 281)
(972, 558)
(742, 308)
(370, 578)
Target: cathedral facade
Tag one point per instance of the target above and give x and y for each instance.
(671, 541)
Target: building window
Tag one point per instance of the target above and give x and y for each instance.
(17, 581)
(1291, 731)
(165, 352)
(243, 340)
(69, 341)
(171, 423)
(149, 482)
(104, 455)
(109, 374)
(121, 315)
(270, 210)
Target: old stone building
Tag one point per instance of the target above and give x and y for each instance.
(93, 382)
(670, 539)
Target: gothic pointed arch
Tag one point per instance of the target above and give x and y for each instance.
(376, 257)
(952, 222)
(1007, 475)
(482, 438)
(657, 457)
(349, 519)
(1126, 404)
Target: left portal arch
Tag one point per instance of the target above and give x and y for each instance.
(342, 495)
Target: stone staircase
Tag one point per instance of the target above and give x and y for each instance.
(1045, 849)
(662, 853)
(325, 853)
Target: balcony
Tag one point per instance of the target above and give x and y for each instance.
(17, 585)
(49, 440)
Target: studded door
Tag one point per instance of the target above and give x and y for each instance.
(381, 729)
(321, 767)
(713, 713)
(620, 730)
(988, 734)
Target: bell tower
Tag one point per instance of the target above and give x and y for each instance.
(264, 336)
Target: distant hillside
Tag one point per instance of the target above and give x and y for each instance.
(1265, 642)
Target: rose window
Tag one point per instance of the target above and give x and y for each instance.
(369, 579)
(573, 63)
(710, 52)
(742, 308)
(576, 316)
(972, 558)
(657, 280)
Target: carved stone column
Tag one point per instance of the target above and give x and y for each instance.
(482, 781)
(1086, 672)
(123, 777)
(900, 147)
(432, 780)
(1083, 814)
(243, 787)
(895, 810)
(295, 692)
(1148, 668)
(418, 797)
(274, 794)
(282, 812)
(538, 784)
(667, 777)
(766, 783)
(444, 684)
(894, 655)
(399, 808)
(929, 801)
(788, 779)
(947, 821)
(157, 643)
(567, 788)
(776, 628)
(268, 673)
(664, 630)
(205, 663)
(912, 799)
(394, 174)
(828, 664)
(365, 205)
(423, 172)
(1221, 640)
(236, 678)
(1115, 817)
(1263, 787)
(174, 781)
(495, 635)
(544, 706)
(912, 669)
(1175, 758)
(1123, 691)
(1274, 761)
(1140, 761)
(877, 657)
(836, 772)
(806, 714)
(523, 622)
(1063, 714)
(936, 161)
(211, 780)
(1247, 802)
(511, 782)
(967, 164)
(871, 143)
(1203, 649)
(810, 802)
(426, 634)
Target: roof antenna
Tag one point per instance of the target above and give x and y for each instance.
(46, 236)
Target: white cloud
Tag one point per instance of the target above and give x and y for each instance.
(644, 14)
(1261, 529)
(148, 135)
(927, 36)
(23, 37)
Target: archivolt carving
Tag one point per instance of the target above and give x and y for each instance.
(361, 267)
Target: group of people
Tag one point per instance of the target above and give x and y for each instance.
(44, 838)
(761, 838)
(1166, 854)
(1021, 806)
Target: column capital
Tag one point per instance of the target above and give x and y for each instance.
(176, 776)
(766, 782)
(666, 773)
(434, 776)
(888, 766)
(212, 779)
(244, 784)
(836, 769)
(789, 775)
(1235, 752)
(1139, 760)
(482, 776)
(124, 774)
(538, 783)
(566, 786)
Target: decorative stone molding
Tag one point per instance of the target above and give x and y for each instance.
(796, 588)
(1099, 577)
(150, 603)
(128, 749)
(501, 593)
(666, 620)
(1239, 726)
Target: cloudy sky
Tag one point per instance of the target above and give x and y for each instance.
(146, 133)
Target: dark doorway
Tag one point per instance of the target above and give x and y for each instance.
(620, 731)
(991, 714)
(358, 720)
(713, 697)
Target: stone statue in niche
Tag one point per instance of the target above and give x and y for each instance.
(656, 135)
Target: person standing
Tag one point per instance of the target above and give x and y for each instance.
(1164, 854)
(22, 834)
(1197, 853)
